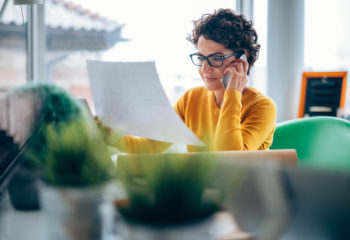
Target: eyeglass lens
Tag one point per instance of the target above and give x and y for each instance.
(215, 61)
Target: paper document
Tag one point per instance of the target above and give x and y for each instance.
(129, 97)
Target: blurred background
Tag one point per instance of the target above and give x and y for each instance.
(296, 36)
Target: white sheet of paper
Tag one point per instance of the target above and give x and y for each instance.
(129, 97)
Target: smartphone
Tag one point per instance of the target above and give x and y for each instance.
(227, 77)
(244, 58)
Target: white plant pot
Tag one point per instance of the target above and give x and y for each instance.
(77, 213)
(201, 230)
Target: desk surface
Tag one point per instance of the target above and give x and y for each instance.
(30, 225)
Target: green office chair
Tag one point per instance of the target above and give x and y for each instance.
(318, 141)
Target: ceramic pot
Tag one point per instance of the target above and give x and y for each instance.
(199, 230)
(77, 213)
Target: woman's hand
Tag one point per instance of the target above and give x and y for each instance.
(238, 69)
(105, 131)
(111, 137)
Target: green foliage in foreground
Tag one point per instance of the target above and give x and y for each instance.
(56, 105)
(53, 106)
(67, 146)
(170, 190)
(76, 155)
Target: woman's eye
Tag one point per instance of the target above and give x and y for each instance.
(217, 59)
(200, 58)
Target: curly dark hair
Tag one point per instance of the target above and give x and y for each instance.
(232, 30)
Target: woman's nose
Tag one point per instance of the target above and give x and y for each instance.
(206, 67)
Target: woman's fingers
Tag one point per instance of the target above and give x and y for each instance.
(97, 118)
(240, 66)
(110, 136)
(98, 121)
(239, 79)
(106, 131)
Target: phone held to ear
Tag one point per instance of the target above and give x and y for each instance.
(227, 77)
(244, 58)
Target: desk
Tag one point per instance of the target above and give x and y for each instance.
(316, 207)
(18, 225)
(30, 225)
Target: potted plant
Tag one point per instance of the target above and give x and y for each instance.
(170, 197)
(32, 107)
(76, 168)
(69, 155)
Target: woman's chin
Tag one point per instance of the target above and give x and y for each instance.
(213, 86)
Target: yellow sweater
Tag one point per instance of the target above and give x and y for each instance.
(244, 122)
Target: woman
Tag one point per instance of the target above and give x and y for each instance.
(233, 118)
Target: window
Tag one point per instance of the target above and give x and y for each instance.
(153, 30)
(133, 30)
(327, 37)
(13, 70)
(259, 73)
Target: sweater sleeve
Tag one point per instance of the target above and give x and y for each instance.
(250, 134)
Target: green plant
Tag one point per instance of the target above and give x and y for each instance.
(52, 105)
(76, 155)
(66, 146)
(55, 104)
(169, 190)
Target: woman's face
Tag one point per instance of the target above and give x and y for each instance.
(212, 76)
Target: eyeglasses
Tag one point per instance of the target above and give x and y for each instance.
(213, 59)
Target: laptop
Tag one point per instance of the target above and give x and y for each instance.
(285, 157)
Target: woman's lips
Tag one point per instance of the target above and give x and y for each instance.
(210, 79)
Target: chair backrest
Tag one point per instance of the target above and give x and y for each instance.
(318, 141)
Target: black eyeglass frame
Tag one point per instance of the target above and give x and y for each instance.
(207, 59)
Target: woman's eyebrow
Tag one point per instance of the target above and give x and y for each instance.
(212, 53)
(217, 53)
